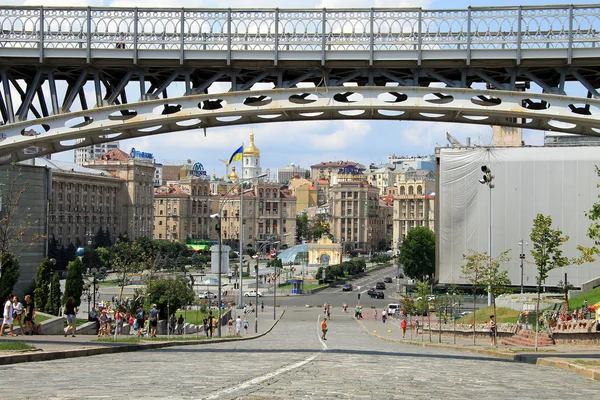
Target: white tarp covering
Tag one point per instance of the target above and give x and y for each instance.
(556, 181)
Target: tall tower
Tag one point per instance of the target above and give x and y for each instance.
(251, 160)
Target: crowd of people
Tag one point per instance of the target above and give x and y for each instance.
(14, 310)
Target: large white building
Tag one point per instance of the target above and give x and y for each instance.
(554, 181)
(92, 152)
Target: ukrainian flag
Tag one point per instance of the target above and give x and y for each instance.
(237, 155)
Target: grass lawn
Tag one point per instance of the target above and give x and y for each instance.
(503, 315)
(111, 282)
(6, 345)
(592, 297)
(587, 363)
(194, 317)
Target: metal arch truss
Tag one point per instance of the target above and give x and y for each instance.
(557, 113)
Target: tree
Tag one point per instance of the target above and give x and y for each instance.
(473, 272)
(10, 274)
(168, 293)
(74, 282)
(41, 292)
(55, 296)
(418, 253)
(547, 254)
(302, 232)
(124, 260)
(423, 293)
(319, 227)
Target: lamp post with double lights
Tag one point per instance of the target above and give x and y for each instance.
(218, 227)
(522, 257)
(487, 180)
(240, 184)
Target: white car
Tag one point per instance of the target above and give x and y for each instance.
(207, 295)
(252, 293)
(393, 309)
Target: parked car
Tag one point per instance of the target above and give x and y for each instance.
(387, 279)
(207, 295)
(347, 287)
(252, 293)
(380, 286)
(373, 293)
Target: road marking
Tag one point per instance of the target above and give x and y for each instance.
(259, 379)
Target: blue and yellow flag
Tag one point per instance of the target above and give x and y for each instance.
(237, 155)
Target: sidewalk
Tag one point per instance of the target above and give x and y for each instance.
(54, 347)
(581, 360)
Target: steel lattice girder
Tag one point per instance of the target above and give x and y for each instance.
(110, 83)
(487, 107)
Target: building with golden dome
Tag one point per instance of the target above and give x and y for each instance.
(251, 160)
(233, 176)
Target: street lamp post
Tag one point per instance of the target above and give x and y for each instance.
(218, 229)
(87, 295)
(522, 257)
(52, 263)
(256, 299)
(487, 180)
(94, 271)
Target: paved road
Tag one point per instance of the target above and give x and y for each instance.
(293, 363)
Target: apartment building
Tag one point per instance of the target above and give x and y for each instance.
(356, 217)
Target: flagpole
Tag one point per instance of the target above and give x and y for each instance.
(241, 236)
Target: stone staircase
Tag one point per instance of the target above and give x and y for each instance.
(526, 338)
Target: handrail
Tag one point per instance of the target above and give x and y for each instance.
(368, 30)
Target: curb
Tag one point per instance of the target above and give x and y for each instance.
(524, 358)
(125, 348)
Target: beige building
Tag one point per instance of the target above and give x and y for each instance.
(356, 216)
(269, 216)
(329, 169)
(305, 193)
(83, 201)
(413, 203)
(182, 211)
(137, 175)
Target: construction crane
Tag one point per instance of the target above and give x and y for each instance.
(226, 162)
(453, 141)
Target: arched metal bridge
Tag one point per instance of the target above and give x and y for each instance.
(69, 73)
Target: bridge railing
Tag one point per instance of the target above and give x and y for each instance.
(300, 30)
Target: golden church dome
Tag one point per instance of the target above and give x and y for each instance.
(251, 150)
(232, 175)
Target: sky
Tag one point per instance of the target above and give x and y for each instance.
(311, 142)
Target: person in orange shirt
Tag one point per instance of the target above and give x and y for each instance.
(403, 326)
(324, 328)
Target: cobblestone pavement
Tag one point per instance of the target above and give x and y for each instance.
(293, 363)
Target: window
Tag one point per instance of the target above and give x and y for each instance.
(160, 222)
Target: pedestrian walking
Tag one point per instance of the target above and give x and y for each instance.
(153, 318)
(71, 312)
(8, 316)
(205, 325)
(210, 324)
(18, 311)
(262, 306)
(238, 325)
(139, 320)
(345, 307)
(119, 320)
(180, 322)
(375, 314)
(383, 316)
(403, 326)
(246, 326)
(29, 315)
(417, 327)
(492, 330)
(229, 326)
(324, 328)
